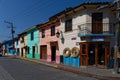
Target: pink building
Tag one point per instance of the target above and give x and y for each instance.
(49, 41)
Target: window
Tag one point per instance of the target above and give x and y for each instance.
(32, 36)
(52, 30)
(17, 42)
(68, 25)
(43, 33)
(22, 39)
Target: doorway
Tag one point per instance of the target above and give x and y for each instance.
(101, 54)
(17, 52)
(91, 54)
(21, 52)
(43, 52)
(33, 52)
(53, 55)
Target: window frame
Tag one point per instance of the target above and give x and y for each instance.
(53, 30)
(32, 36)
(43, 33)
(68, 25)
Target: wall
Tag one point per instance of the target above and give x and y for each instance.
(17, 46)
(50, 40)
(32, 43)
(22, 45)
(71, 37)
(69, 42)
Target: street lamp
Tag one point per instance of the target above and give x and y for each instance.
(57, 34)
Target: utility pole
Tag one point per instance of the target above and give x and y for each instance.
(12, 32)
(117, 44)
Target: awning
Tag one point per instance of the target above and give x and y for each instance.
(92, 35)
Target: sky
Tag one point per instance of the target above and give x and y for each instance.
(27, 13)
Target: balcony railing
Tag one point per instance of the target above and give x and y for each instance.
(99, 29)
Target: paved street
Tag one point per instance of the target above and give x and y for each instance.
(16, 69)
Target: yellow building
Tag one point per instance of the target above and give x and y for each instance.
(23, 44)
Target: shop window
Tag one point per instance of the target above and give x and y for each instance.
(119, 48)
(83, 49)
(68, 25)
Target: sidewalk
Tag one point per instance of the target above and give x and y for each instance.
(89, 71)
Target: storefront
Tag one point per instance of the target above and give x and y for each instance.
(94, 54)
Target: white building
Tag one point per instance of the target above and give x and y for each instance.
(91, 30)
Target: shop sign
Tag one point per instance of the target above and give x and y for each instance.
(98, 38)
(74, 38)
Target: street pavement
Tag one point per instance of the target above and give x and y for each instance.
(15, 69)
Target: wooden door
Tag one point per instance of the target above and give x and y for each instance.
(43, 52)
(84, 54)
(97, 25)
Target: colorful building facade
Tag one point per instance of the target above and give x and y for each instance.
(17, 46)
(33, 43)
(23, 44)
(8, 47)
(78, 36)
(89, 29)
(49, 42)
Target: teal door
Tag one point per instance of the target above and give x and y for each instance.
(33, 52)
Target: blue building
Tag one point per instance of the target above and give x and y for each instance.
(8, 47)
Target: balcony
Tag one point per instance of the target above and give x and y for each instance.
(96, 29)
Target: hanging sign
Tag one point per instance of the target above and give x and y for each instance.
(98, 38)
(74, 38)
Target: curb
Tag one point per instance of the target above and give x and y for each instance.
(71, 70)
(28, 59)
(35, 61)
(88, 74)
